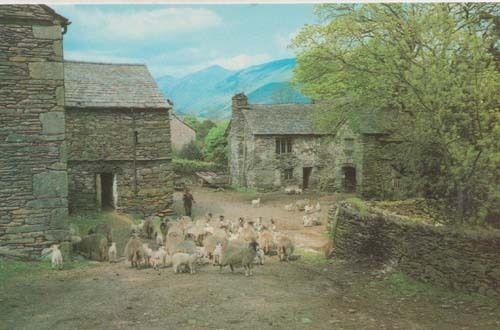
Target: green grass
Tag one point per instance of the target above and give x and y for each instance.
(10, 269)
(359, 204)
(246, 192)
(315, 258)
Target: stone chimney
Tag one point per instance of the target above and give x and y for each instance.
(239, 101)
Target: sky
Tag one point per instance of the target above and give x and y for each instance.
(180, 39)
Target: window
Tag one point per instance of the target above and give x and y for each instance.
(283, 145)
(288, 174)
(136, 137)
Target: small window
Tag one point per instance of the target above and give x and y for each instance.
(288, 174)
(283, 145)
(136, 137)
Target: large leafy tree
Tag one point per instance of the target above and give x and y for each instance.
(433, 68)
(216, 145)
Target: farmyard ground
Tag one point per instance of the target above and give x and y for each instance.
(309, 293)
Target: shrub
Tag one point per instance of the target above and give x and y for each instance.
(191, 151)
(188, 166)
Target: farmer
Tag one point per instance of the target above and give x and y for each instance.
(188, 200)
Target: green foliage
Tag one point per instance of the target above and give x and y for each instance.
(216, 146)
(191, 151)
(429, 72)
(201, 127)
(188, 167)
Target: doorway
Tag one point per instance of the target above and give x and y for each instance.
(107, 191)
(306, 175)
(349, 179)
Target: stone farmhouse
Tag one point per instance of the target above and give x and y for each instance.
(73, 135)
(273, 146)
(182, 133)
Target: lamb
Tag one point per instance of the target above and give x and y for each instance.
(112, 252)
(159, 257)
(148, 253)
(290, 207)
(285, 248)
(318, 207)
(184, 259)
(256, 202)
(298, 191)
(134, 251)
(309, 209)
(238, 255)
(311, 220)
(217, 254)
(259, 258)
(148, 228)
(57, 259)
(290, 190)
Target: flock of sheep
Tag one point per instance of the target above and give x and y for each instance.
(184, 243)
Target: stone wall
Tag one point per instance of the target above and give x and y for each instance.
(238, 135)
(182, 134)
(461, 260)
(133, 145)
(33, 178)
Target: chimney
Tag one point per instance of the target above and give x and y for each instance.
(239, 100)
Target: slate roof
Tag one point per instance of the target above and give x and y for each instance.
(298, 119)
(42, 13)
(106, 85)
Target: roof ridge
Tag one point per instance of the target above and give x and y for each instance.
(105, 63)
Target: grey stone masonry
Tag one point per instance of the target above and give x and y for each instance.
(33, 177)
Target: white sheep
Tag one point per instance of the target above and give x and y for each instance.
(318, 207)
(308, 209)
(298, 191)
(184, 259)
(290, 207)
(217, 253)
(57, 259)
(159, 238)
(159, 257)
(148, 253)
(256, 202)
(112, 252)
(311, 220)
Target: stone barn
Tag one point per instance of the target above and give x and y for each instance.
(273, 146)
(118, 139)
(182, 133)
(33, 177)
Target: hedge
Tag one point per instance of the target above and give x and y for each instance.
(188, 167)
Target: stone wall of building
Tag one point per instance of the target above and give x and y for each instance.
(238, 137)
(465, 260)
(33, 178)
(132, 145)
(182, 134)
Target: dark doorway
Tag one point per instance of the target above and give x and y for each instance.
(306, 175)
(107, 198)
(349, 179)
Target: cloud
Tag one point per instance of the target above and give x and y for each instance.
(142, 23)
(99, 56)
(242, 61)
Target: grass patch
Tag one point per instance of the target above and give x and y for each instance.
(10, 269)
(246, 192)
(359, 204)
(315, 258)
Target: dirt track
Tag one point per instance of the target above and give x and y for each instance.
(309, 293)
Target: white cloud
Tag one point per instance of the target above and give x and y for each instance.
(99, 56)
(141, 24)
(242, 61)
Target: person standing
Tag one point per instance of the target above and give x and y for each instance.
(188, 200)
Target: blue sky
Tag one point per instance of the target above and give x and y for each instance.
(180, 39)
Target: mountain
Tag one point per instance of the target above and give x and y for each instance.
(207, 93)
(280, 92)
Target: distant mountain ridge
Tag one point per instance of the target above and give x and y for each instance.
(207, 93)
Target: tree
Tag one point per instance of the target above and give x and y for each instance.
(191, 151)
(432, 69)
(216, 145)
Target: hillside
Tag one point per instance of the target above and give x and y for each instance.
(207, 93)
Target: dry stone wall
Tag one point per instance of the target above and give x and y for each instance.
(462, 260)
(33, 178)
